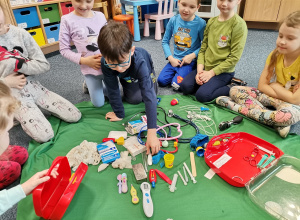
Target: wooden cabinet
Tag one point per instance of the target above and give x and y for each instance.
(287, 7)
(269, 10)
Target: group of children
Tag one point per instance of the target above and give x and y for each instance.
(203, 63)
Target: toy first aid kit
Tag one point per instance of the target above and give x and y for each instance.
(52, 198)
(271, 178)
(108, 151)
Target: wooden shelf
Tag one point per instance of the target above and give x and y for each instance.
(37, 4)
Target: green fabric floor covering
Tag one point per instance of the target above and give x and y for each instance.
(97, 197)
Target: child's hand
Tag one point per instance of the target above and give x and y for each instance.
(174, 62)
(92, 61)
(187, 59)
(296, 87)
(205, 76)
(197, 78)
(152, 142)
(112, 116)
(36, 180)
(15, 80)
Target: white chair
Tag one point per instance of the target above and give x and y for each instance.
(162, 13)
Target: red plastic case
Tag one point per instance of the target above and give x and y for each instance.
(52, 198)
(226, 155)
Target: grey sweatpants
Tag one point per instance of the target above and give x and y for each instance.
(32, 120)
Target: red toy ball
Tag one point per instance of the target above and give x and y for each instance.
(174, 102)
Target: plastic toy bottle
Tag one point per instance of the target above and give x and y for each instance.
(174, 102)
(152, 177)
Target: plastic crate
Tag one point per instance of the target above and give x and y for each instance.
(26, 17)
(52, 33)
(49, 13)
(38, 36)
(66, 7)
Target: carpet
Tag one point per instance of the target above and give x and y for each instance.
(97, 197)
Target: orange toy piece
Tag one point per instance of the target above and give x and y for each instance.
(128, 19)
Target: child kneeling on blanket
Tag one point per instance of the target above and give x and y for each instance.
(134, 67)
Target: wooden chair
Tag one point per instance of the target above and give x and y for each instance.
(165, 12)
(102, 5)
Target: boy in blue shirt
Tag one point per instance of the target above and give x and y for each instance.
(188, 30)
(134, 67)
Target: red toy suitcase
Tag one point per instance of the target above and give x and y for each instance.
(52, 198)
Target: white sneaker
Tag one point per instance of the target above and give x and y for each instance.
(175, 86)
(283, 131)
(85, 88)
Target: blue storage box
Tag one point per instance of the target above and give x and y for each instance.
(52, 33)
(27, 17)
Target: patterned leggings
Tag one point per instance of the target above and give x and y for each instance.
(252, 103)
(10, 164)
(32, 120)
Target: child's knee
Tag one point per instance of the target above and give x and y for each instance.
(10, 172)
(134, 101)
(162, 82)
(204, 97)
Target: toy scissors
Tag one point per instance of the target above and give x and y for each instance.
(252, 157)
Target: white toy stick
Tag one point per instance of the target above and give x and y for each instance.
(174, 181)
(189, 172)
(184, 183)
(149, 159)
(185, 175)
(266, 150)
(193, 165)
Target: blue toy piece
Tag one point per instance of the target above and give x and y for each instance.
(158, 100)
(204, 109)
(157, 157)
(198, 141)
(200, 151)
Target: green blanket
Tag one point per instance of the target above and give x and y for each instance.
(97, 197)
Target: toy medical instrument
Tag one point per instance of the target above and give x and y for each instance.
(266, 150)
(156, 158)
(119, 141)
(184, 183)
(270, 159)
(226, 124)
(174, 181)
(203, 109)
(147, 201)
(200, 151)
(152, 177)
(198, 141)
(189, 172)
(119, 177)
(174, 102)
(174, 151)
(252, 157)
(166, 136)
(193, 165)
(163, 176)
(149, 159)
(124, 183)
(133, 193)
(262, 160)
(185, 175)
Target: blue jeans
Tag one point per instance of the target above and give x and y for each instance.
(95, 85)
(215, 87)
(171, 74)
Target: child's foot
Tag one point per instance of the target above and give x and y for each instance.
(283, 131)
(175, 86)
(85, 88)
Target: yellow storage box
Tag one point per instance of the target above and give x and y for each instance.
(38, 36)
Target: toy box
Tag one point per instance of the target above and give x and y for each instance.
(271, 178)
(38, 36)
(26, 17)
(52, 198)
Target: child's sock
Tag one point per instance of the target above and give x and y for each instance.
(9, 172)
(14, 153)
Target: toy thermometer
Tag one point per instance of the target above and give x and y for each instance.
(147, 201)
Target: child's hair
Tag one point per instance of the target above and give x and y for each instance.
(8, 105)
(115, 41)
(292, 20)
